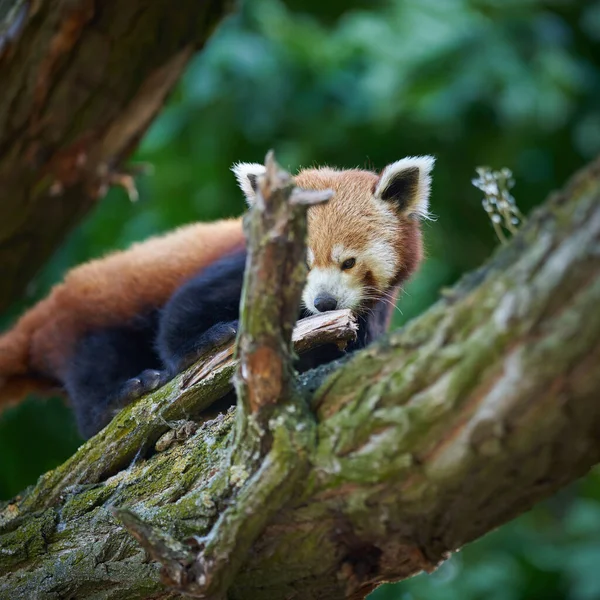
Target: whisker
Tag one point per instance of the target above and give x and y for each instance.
(371, 293)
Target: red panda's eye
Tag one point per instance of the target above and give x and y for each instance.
(348, 264)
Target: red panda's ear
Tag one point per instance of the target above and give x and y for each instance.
(247, 175)
(406, 183)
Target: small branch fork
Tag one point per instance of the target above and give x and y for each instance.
(274, 429)
(275, 276)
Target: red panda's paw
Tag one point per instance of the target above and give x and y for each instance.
(147, 381)
(218, 335)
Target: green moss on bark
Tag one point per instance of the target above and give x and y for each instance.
(413, 437)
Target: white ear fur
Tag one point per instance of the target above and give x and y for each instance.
(246, 175)
(418, 203)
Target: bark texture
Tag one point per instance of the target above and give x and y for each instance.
(81, 81)
(448, 428)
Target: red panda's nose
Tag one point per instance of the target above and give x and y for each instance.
(325, 302)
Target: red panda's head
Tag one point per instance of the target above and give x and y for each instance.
(367, 239)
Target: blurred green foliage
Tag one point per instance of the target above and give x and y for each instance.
(505, 83)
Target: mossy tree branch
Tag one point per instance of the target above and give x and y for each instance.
(275, 432)
(81, 81)
(464, 419)
(135, 430)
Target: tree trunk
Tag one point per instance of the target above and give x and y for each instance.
(81, 81)
(462, 420)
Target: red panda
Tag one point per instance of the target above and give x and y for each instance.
(122, 325)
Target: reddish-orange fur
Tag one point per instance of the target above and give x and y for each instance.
(353, 219)
(104, 292)
(110, 291)
(362, 223)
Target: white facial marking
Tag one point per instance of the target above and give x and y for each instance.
(381, 260)
(339, 253)
(310, 257)
(378, 257)
(332, 281)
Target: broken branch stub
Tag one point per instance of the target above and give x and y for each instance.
(275, 276)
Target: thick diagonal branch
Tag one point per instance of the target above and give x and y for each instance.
(80, 85)
(467, 417)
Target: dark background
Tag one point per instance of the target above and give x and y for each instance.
(505, 83)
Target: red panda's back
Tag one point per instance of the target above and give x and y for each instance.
(111, 290)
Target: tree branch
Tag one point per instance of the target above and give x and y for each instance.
(134, 430)
(80, 85)
(275, 432)
(483, 406)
